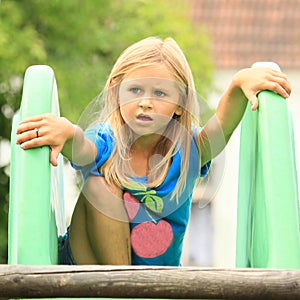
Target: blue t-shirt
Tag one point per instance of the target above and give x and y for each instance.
(157, 222)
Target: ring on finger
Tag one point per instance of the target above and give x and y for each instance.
(36, 132)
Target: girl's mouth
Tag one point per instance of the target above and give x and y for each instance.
(144, 118)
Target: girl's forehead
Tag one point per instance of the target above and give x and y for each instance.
(156, 71)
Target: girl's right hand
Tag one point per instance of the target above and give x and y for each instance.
(44, 130)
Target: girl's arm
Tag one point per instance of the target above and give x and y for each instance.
(58, 133)
(245, 86)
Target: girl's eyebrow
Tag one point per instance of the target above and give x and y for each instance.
(158, 83)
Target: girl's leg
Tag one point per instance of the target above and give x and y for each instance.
(99, 231)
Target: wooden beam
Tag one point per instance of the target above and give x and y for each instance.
(20, 281)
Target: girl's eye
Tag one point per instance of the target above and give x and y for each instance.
(135, 90)
(159, 94)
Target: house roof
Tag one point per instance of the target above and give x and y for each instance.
(246, 31)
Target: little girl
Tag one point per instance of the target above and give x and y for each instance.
(141, 160)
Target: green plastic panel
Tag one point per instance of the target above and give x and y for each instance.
(268, 205)
(34, 195)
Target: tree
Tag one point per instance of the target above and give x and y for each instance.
(16, 53)
(80, 40)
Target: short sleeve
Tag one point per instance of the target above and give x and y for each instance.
(205, 169)
(102, 136)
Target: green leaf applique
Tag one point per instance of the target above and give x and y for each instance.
(151, 200)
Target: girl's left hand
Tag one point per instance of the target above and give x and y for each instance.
(254, 80)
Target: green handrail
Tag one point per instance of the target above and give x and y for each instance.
(36, 206)
(268, 206)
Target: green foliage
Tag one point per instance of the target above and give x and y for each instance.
(16, 52)
(81, 40)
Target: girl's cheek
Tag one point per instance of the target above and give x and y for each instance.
(126, 100)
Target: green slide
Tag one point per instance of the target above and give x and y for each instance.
(268, 205)
(268, 213)
(36, 209)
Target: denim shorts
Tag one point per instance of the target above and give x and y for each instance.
(65, 256)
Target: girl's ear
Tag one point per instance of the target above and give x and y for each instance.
(113, 89)
(112, 86)
(178, 110)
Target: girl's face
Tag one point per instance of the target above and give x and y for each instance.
(149, 98)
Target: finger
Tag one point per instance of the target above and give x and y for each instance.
(53, 156)
(28, 126)
(254, 102)
(281, 84)
(33, 122)
(284, 88)
(280, 88)
(28, 135)
(33, 143)
(34, 119)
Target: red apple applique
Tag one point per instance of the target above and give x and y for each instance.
(149, 240)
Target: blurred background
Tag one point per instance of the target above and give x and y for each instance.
(81, 40)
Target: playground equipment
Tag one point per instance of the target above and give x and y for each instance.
(36, 213)
(268, 218)
(268, 205)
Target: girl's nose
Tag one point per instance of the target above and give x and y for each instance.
(145, 102)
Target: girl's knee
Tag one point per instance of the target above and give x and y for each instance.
(106, 199)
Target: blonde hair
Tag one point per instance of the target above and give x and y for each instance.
(177, 135)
